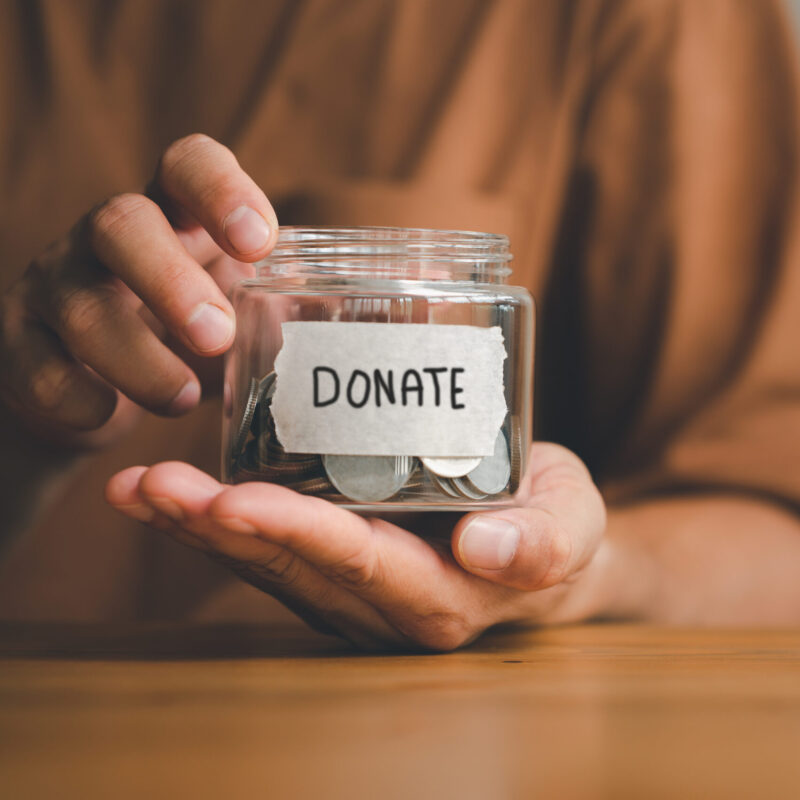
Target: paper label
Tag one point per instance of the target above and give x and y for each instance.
(366, 388)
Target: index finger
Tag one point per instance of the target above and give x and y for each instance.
(203, 178)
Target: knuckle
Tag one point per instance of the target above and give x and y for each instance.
(185, 150)
(115, 217)
(48, 387)
(217, 193)
(558, 557)
(356, 572)
(81, 311)
(282, 568)
(167, 286)
(442, 631)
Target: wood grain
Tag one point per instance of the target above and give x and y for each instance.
(240, 711)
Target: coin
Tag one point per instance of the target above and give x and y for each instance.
(310, 486)
(464, 489)
(247, 420)
(267, 386)
(368, 479)
(450, 467)
(516, 454)
(278, 465)
(246, 467)
(266, 390)
(444, 485)
(492, 474)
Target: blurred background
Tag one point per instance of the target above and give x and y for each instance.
(794, 6)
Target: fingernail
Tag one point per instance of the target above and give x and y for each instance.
(488, 543)
(209, 327)
(247, 230)
(186, 399)
(169, 507)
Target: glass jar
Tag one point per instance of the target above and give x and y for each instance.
(382, 368)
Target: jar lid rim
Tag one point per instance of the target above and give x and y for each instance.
(306, 242)
(294, 233)
(389, 250)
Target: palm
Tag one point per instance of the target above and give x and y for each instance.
(367, 579)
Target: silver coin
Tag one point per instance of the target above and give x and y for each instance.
(247, 419)
(465, 489)
(491, 476)
(267, 386)
(450, 467)
(265, 425)
(444, 485)
(368, 479)
(516, 454)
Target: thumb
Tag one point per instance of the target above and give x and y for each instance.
(552, 535)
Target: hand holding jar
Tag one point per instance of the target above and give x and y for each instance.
(437, 583)
(335, 396)
(128, 310)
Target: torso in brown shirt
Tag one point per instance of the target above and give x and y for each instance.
(642, 157)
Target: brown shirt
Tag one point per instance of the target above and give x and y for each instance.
(643, 157)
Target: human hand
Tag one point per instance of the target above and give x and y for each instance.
(113, 317)
(373, 582)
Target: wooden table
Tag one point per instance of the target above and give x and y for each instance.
(239, 711)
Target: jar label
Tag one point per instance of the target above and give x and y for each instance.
(367, 388)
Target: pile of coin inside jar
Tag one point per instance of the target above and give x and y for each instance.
(258, 455)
